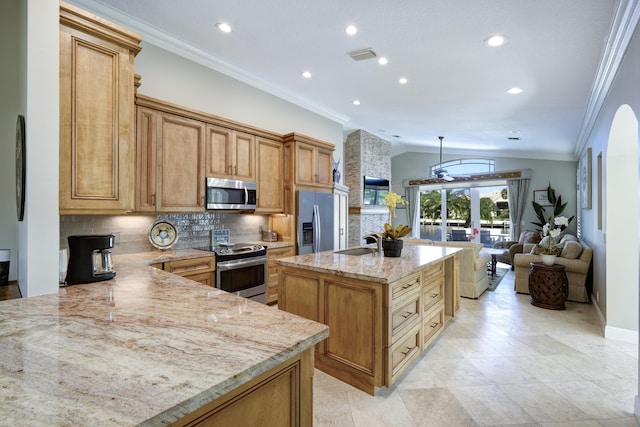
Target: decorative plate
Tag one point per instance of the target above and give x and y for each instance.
(163, 234)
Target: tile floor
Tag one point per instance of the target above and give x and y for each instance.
(501, 362)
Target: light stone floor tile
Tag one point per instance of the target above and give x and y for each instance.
(500, 362)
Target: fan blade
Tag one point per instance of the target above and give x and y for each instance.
(447, 178)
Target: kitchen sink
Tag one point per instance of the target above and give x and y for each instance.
(356, 251)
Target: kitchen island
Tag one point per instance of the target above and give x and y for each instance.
(382, 312)
(151, 348)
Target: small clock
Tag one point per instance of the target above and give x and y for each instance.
(21, 166)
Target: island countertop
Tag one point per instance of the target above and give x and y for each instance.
(372, 267)
(144, 348)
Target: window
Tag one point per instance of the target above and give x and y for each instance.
(463, 166)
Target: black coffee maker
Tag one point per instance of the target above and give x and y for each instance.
(90, 259)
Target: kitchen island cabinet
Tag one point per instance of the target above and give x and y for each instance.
(382, 312)
(152, 348)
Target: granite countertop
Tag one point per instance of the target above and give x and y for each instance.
(372, 267)
(144, 348)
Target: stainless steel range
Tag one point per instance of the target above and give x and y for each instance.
(241, 269)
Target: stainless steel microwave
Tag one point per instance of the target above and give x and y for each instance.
(230, 194)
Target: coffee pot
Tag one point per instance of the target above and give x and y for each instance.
(90, 259)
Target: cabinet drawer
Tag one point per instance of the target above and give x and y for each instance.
(432, 293)
(434, 321)
(190, 266)
(433, 271)
(403, 353)
(405, 285)
(405, 314)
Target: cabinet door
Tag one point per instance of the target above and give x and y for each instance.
(181, 170)
(96, 124)
(324, 167)
(146, 164)
(244, 157)
(305, 164)
(218, 152)
(269, 176)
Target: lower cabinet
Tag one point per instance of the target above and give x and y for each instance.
(200, 270)
(281, 397)
(377, 329)
(272, 270)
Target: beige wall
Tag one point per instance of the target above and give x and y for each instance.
(9, 109)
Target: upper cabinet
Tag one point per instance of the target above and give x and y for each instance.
(269, 176)
(230, 154)
(97, 123)
(170, 162)
(178, 148)
(311, 160)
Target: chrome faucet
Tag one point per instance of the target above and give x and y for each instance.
(378, 240)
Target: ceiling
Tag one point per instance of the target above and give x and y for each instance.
(456, 84)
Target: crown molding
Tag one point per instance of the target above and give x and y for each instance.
(157, 37)
(625, 20)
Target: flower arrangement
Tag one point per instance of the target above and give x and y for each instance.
(551, 232)
(391, 231)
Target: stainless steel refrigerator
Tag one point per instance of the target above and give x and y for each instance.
(314, 222)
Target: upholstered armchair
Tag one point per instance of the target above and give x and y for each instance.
(512, 247)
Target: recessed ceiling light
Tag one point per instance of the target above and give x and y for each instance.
(351, 30)
(306, 74)
(403, 81)
(382, 60)
(495, 41)
(356, 102)
(225, 28)
(514, 90)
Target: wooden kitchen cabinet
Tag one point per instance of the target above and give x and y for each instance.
(377, 329)
(97, 118)
(230, 154)
(170, 162)
(200, 270)
(311, 161)
(280, 397)
(273, 270)
(269, 176)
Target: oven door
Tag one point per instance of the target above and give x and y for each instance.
(244, 277)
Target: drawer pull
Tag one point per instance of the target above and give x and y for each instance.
(408, 350)
(434, 324)
(408, 285)
(435, 295)
(407, 314)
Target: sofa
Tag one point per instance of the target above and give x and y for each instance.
(511, 247)
(473, 265)
(575, 256)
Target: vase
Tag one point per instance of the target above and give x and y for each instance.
(392, 248)
(548, 259)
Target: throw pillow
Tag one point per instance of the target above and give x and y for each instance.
(569, 238)
(571, 250)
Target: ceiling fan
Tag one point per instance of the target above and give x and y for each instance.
(441, 173)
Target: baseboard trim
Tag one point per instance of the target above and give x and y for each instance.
(612, 333)
(619, 334)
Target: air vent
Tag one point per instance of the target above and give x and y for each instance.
(362, 54)
(513, 138)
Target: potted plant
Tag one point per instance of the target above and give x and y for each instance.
(391, 243)
(551, 232)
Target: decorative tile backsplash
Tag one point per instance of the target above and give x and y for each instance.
(194, 229)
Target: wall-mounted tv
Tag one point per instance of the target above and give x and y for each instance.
(374, 190)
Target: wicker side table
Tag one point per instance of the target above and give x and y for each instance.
(548, 286)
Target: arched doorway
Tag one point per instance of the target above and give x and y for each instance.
(622, 211)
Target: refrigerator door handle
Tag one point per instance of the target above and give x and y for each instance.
(316, 228)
